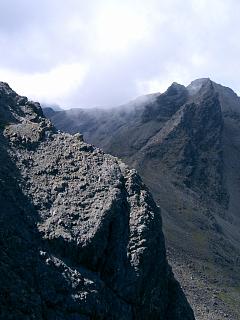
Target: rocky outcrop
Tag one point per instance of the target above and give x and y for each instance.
(80, 234)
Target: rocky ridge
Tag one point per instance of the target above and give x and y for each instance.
(185, 143)
(80, 234)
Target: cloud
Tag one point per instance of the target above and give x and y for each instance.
(47, 85)
(88, 53)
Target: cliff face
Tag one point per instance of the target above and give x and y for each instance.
(80, 234)
(185, 143)
(189, 146)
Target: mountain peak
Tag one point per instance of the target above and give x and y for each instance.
(175, 88)
(196, 85)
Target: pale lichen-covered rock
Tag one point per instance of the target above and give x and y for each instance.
(80, 234)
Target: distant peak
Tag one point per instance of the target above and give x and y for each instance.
(201, 80)
(176, 85)
(197, 84)
(175, 88)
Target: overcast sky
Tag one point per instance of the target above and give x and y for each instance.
(85, 53)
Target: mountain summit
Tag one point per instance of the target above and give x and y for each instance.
(185, 143)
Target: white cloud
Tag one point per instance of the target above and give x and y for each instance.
(131, 47)
(53, 86)
(118, 29)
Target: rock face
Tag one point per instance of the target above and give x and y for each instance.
(80, 234)
(185, 143)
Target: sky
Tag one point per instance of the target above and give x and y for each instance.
(88, 53)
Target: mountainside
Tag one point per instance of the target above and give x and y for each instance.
(185, 143)
(80, 234)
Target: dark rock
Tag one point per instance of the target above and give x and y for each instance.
(80, 233)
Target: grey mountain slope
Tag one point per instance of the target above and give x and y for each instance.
(185, 144)
(80, 234)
